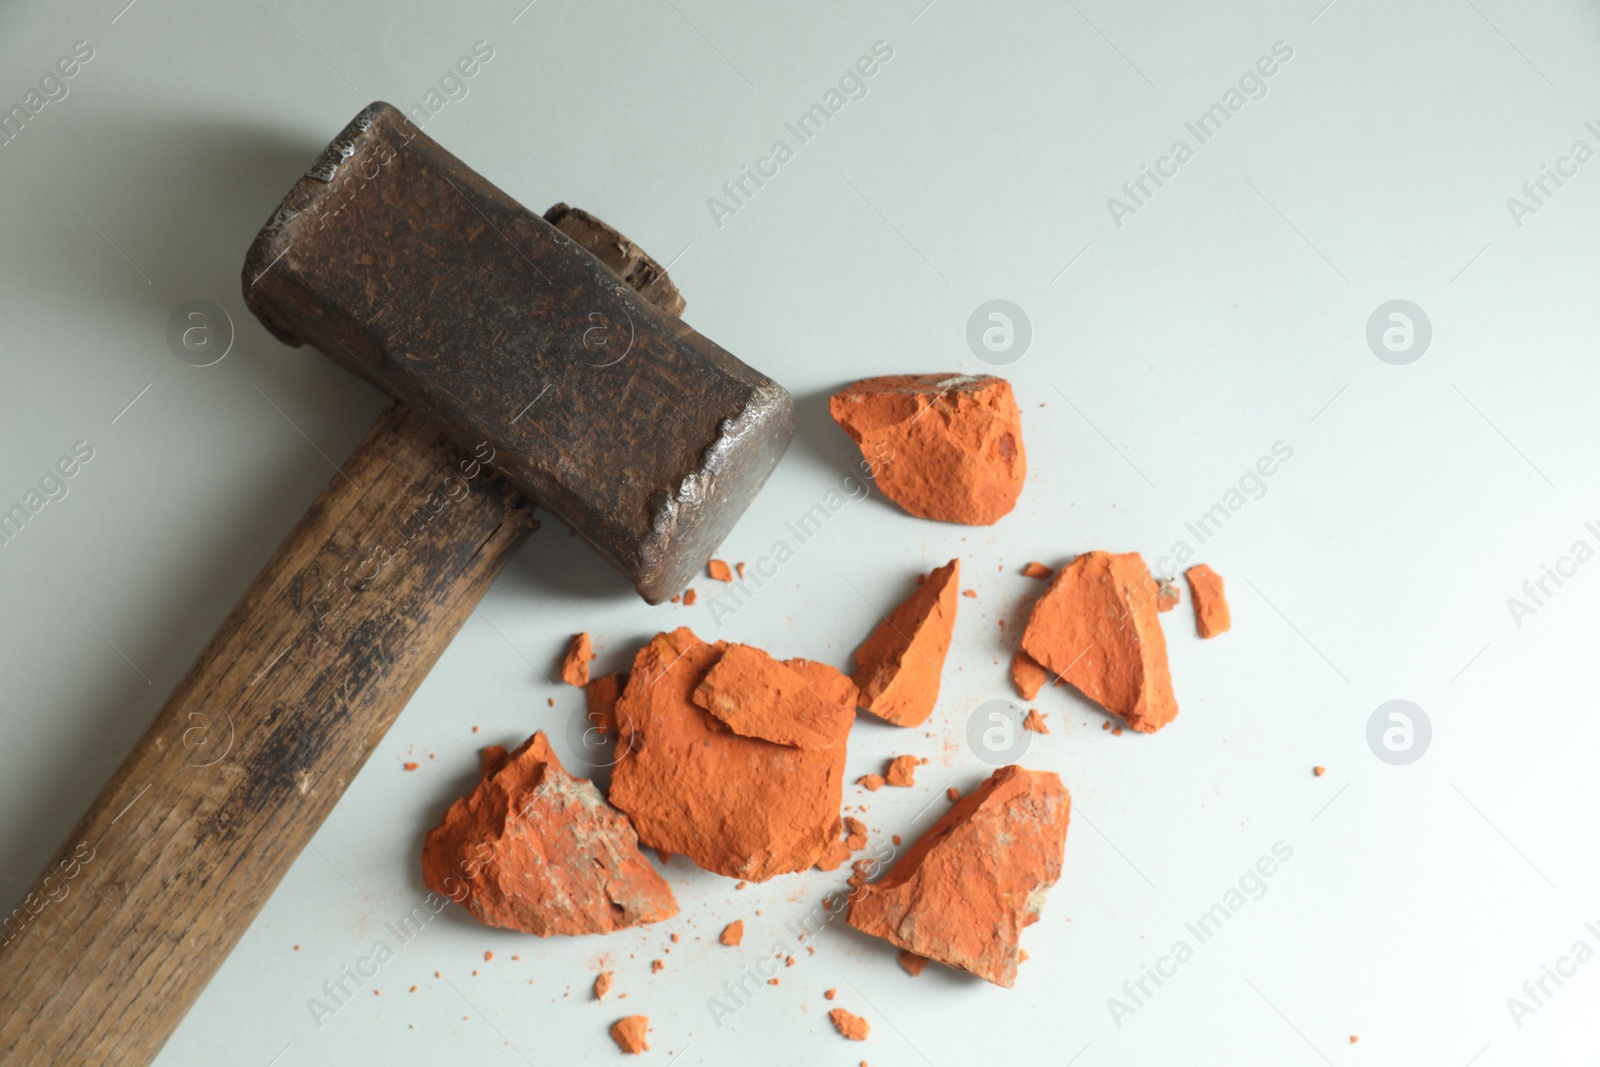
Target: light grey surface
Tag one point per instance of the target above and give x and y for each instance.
(1228, 313)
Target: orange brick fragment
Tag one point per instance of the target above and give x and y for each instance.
(756, 696)
(629, 1034)
(562, 860)
(902, 771)
(1098, 628)
(1027, 675)
(1036, 570)
(944, 446)
(829, 994)
(600, 699)
(912, 962)
(1319, 771)
(938, 903)
(873, 782)
(719, 570)
(602, 985)
(575, 667)
(852, 1026)
(412, 766)
(898, 667)
(744, 807)
(1035, 722)
(1211, 615)
(689, 598)
(733, 933)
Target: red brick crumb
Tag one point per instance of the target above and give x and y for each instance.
(740, 568)
(829, 994)
(1036, 570)
(973, 593)
(689, 597)
(1319, 771)
(412, 766)
(873, 782)
(657, 966)
(719, 570)
(953, 793)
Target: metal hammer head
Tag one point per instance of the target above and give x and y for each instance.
(400, 262)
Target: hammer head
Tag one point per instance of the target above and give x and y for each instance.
(401, 263)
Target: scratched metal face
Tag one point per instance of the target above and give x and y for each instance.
(400, 262)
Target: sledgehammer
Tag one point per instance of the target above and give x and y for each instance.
(527, 371)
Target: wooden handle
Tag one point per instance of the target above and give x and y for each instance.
(179, 852)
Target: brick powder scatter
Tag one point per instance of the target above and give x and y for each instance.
(852, 1026)
(1098, 628)
(575, 667)
(898, 667)
(532, 848)
(936, 902)
(943, 446)
(1211, 615)
(629, 1034)
(738, 804)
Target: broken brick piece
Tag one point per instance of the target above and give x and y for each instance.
(942, 902)
(1035, 722)
(756, 696)
(873, 782)
(602, 985)
(1319, 771)
(629, 1034)
(898, 667)
(575, 667)
(829, 994)
(943, 446)
(902, 771)
(739, 806)
(733, 933)
(1036, 570)
(1211, 615)
(534, 849)
(912, 962)
(600, 697)
(852, 1026)
(1097, 627)
(689, 598)
(1167, 595)
(719, 570)
(1028, 676)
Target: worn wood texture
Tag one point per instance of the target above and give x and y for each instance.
(258, 741)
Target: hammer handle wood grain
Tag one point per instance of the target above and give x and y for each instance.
(257, 742)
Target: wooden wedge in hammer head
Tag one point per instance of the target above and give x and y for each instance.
(398, 261)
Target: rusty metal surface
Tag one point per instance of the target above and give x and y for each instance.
(404, 265)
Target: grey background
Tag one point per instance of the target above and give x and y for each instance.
(1168, 354)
